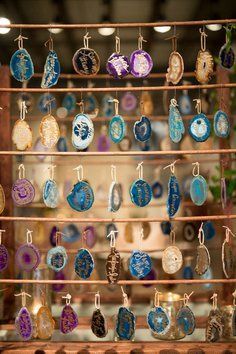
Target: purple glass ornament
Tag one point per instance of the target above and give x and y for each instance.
(23, 324)
(59, 276)
(22, 192)
(118, 65)
(103, 143)
(4, 257)
(27, 257)
(90, 236)
(68, 320)
(140, 63)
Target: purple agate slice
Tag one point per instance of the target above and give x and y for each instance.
(4, 257)
(140, 63)
(27, 257)
(103, 143)
(23, 323)
(90, 236)
(118, 65)
(68, 319)
(22, 192)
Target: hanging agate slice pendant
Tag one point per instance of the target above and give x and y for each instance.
(86, 61)
(176, 125)
(117, 129)
(113, 265)
(81, 197)
(125, 324)
(69, 102)
(24, 324)
(215, 324)
(22, 135)
(200, 127)
(91, 236)
(51, 70)
(84, 263)
(140, 63)
(140, 193)
(227, 259)
(186, 320)
(2, 199)
(115, 197)
(98, 324)
(176, 68)
(50, 194)
(57, 258)
(21, 65)
(221, 124)
(174, 198)
(27, 257)
(82, 131)
(185, 105)
(49, 131)
(172, 260)
(140, 264)
(68, 320)
(118, 65)
(22, 192)
(128, 102)
(4, 257)
(142, 129)
(203, 260)
(226, 56)
(44, 323)
(204, 67)
(158, 320)
(157, 190)
(198, 190)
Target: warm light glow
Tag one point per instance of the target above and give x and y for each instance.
(214, 27)
(36, 307)
(162, 29)
(106, 31)
(55, 30)
(4, 21)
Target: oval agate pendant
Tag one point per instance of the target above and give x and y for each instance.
(128, 102)
(186, 320)
(27, 257)
(22, 135)
(24, 324)
(57, 258)
(82, 131)
(68, 319)
(200, 127)
(21, 65)
(221, 124)
(69, 102)
(226, 56)
(49, 131)
(215, 324)
(198, 190)
(142, 129)
(4, 257)
(173, 198)
(203, 260)
(115, 197)
(91, 236)
(176, 125)
(157, 190)
(185, 105)
(158, 320)
(176, 68)
(84, 263)
(86, 61)
(227, 259)
(172, 260)
(2, 199)
(98, 324)
(140, 264)
(81, 197)
(204, 66)
(22, 192)
(189, 232)
(113, 265)
(50, 194)
(140, 63)
(44, 323)
(117, 129)
(118, 65)
(51, 70)
(125, 324)
(140, 193)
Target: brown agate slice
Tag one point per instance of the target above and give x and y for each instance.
(215, 324)
(204, 67)
(113, 266)
(176, 68)
(45, 323)
(227, 259)
(22, 135)
(49, 131)
(203, 260)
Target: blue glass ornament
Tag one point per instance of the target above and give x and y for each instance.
(21, 65)
(117, 129)
(176, 125)
(158, 320)
(69, 102)
(140, 264)
(200, 127)
(57, 258)
(50, 194)
(198, 190)
(157, 190)
(221, 124)
(188, 272)
(84, 263)
(52, 70)
(185, 104)
(82, 131)
(166, 227)
(44, 99)
(186, 320)
(81, 197)
(125, 324)
(140, 193)
(70, 233)
(173, 198)
(209, 230)
(142, 129)
(62, 144)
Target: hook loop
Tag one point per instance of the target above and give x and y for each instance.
(20, 40)
(23, 110)
(117, 44)
(198, 105)
(29, 238)
(203, 39)
(68, 298)
(157, 298)
(80, 172)
(116, 103)
(113, 173)
(1, 231)
(171, 166)
(201, 235)
(196, 166)
(214, 301)
(86, 40)
(23, 295)
(140, 170)
(97, 300)
(228, 232)
(125, 298)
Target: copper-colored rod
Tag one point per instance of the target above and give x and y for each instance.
(116, 25)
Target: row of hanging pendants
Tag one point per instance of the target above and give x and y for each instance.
(86, 61)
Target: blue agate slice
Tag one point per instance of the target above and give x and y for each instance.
(125, 324)
(62, 144)
(50, 194)
(185, 320)
(157, 190)
(200, 127)
(173, 198)
(142, 129)
(69, 102)
(57, 258)
(221, 124)
(176, 125)
(140, 193)
(198, 190)
(158, 320)
(84, 263)
(51, 70)
(117, 129)
(82, 131)
(81, 197)
(140, 264)
(185, 105)
(21, 65)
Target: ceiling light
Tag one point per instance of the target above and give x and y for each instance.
(4, 21)
(55, 30)
(214, 27)
(162, 29)
(106, 31)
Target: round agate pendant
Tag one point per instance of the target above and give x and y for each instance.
(186, 320)
(2, 199)
(82, 131)
(44, 323)
(27, 257)
(203, 260)
(24, 324)
(57, 258)
(84, 263)
(204, 66)
(50, 194)
(4, 257)
(86, 61)
(189, 232)
(22, 135)
(52, 70)
(172, 260)
(221, 124)
(81, 197)
(140, 193)
(69, 102)
(142, 129)
(68, 320)
(140, 264)
(49, 131)
(157, 190)
(118, 65)
(22, 192)
(115, 197)
(158, 320)
(173, 198)
(198, 190)
(21, 65)
(226, 57)
(98, 324)
(117, 129)
(200, 127)
(128, 102)
(125, 324)
(140, 63)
